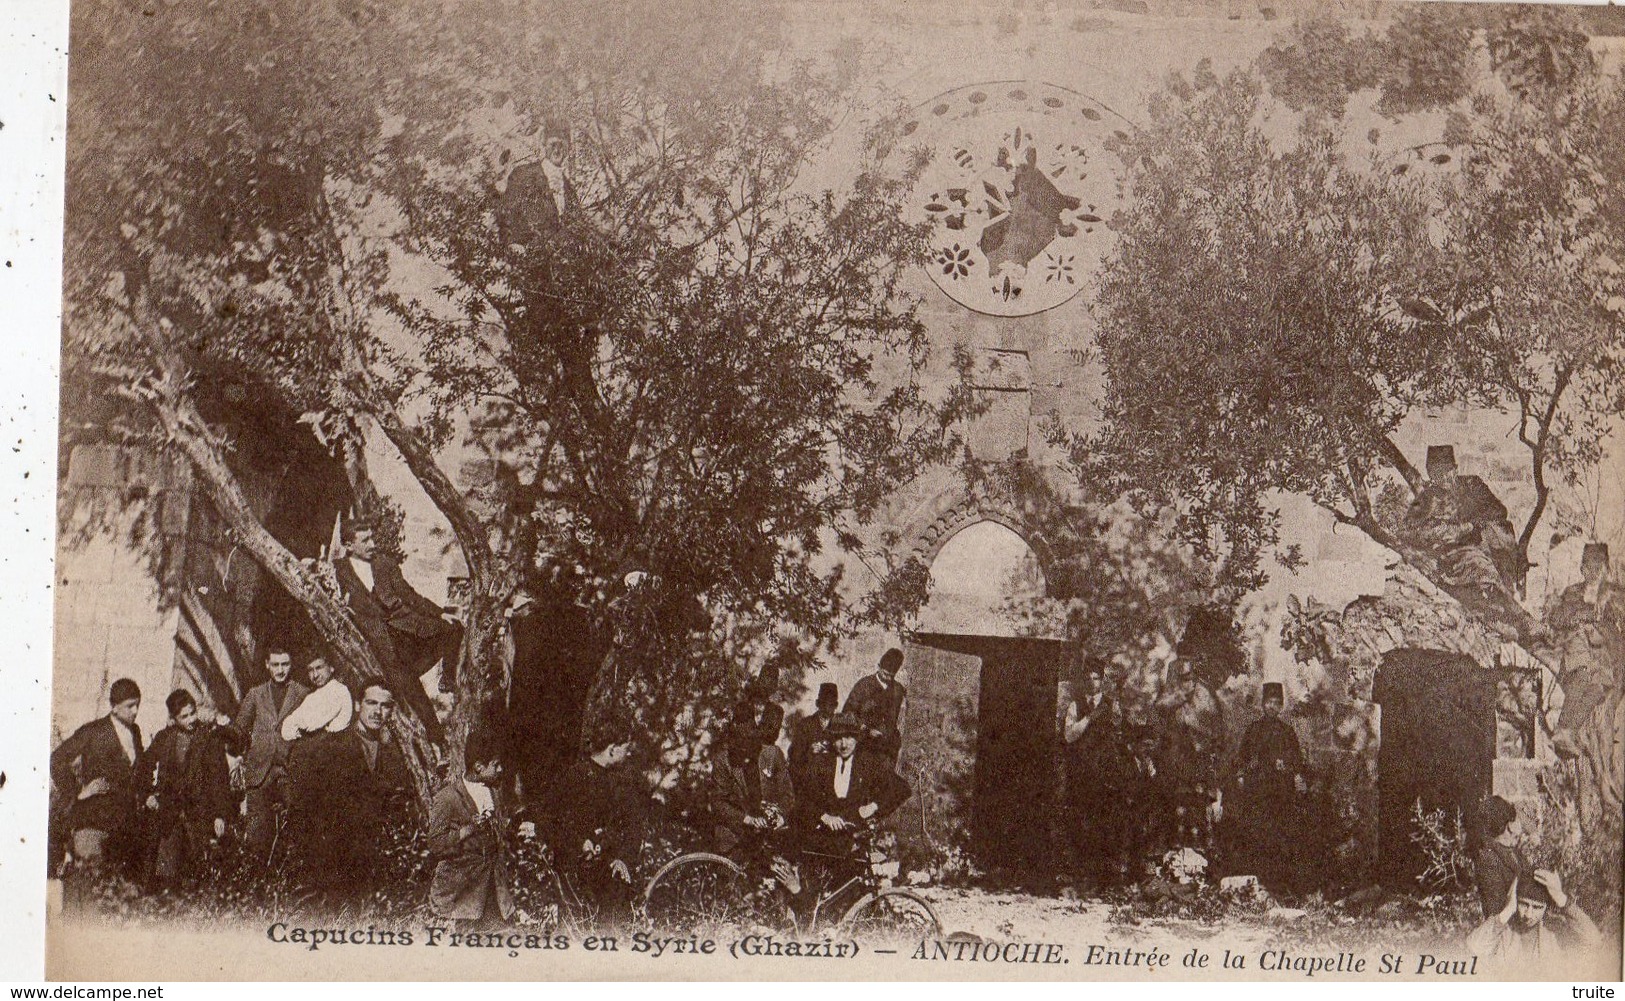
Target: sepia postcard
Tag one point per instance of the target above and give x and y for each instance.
(827, 490)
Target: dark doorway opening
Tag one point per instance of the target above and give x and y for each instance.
(1012, 808)
(1438, 748)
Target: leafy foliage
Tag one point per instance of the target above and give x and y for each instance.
(1281, 300)
(679, 356)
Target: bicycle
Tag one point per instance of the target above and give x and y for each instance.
(705, 889)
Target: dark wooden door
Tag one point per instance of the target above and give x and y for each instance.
(1438, 749)
(1014, 798)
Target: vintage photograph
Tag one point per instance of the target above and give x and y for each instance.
(819, 489)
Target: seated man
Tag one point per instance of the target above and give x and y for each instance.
(846, 791)
(1499, 859)
(752, 796)
(1538, 930)
(602, 808)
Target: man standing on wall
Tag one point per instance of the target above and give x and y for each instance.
(876, 702)
(260, 716)
(96, 767)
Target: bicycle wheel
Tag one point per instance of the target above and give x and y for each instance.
(698, 890)
(893, 914)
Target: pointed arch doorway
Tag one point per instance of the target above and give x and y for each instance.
(979, 732)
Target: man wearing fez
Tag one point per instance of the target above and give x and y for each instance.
(876, 703)
(1269, 779)
(96, 768)
(1538, 929)
(1098, 769)
(846, 790)
(1467, 527)
(810, 734)
(185, 781)
(360, 784)
(260, 716)
(472, 881)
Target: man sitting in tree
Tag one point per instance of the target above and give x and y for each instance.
(1461, 521)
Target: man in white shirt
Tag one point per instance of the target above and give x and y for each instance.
(847, 789)
(326, 711)
(328, 707)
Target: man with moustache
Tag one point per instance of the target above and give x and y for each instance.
(260, 716)
(361, 784)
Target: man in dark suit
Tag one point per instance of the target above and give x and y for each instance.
(407, 632)
(876, 702)
(810, 735)
(95, 770)
(752, 797)
(362, 785)
(1270, 780)
(602, 811)
(265, 764)
(185, 781)
(1099, 770)
(846, 790)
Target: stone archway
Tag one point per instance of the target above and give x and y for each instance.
(978, 729)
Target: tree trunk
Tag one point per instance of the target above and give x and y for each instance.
(483, 678)
(355, 659)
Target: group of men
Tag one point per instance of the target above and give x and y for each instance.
(319, 782)
(839, 777)
(1137, 790)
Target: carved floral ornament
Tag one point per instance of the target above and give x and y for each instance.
(1020, 190)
